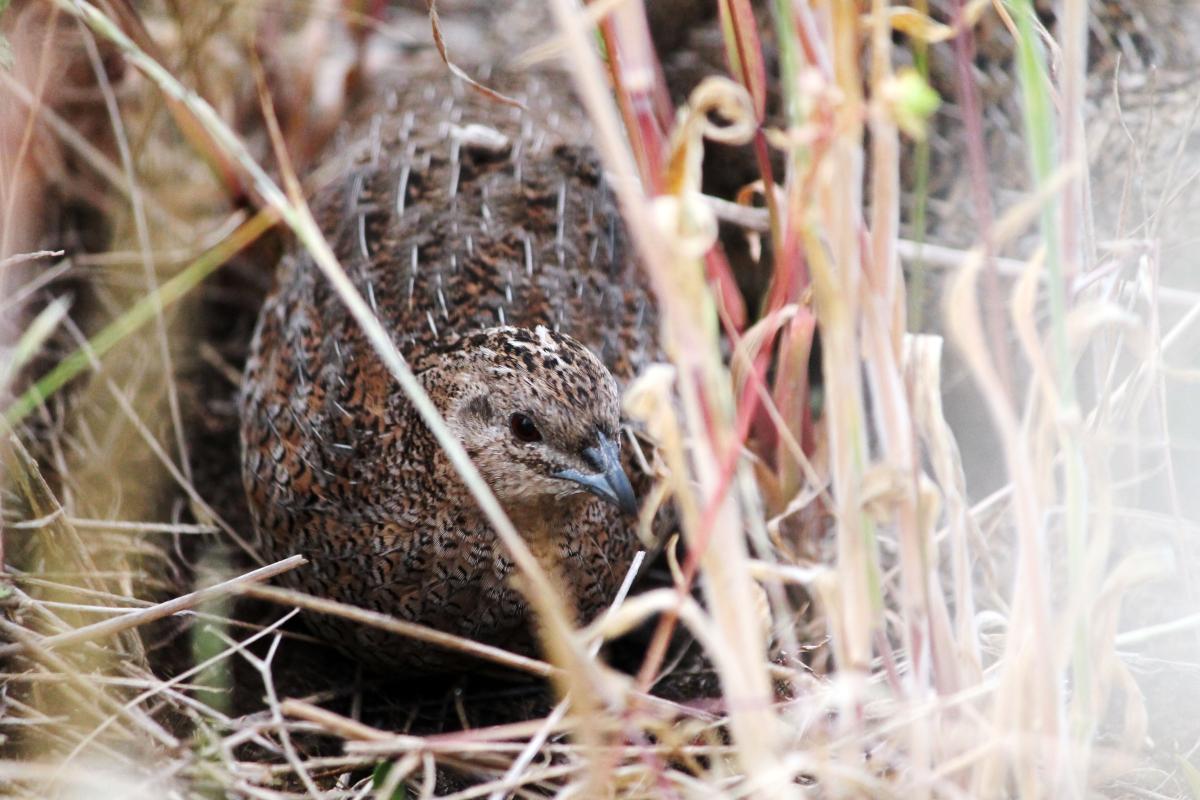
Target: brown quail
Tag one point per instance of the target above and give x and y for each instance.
(486, 240)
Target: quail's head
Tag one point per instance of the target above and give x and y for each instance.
(540, 416)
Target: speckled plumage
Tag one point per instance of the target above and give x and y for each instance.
(492, 250)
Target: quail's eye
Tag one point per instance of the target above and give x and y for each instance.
(523, 429)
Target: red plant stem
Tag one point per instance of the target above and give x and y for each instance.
(723, 285)
(645, 108)
(790, 280)
(747, 51)
(968, 97)
(745, 414)
(810, 39)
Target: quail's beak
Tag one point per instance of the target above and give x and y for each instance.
(609, 480)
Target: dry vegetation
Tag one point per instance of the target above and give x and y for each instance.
(886, 595)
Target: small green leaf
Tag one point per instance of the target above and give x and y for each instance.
(43, 325)
(912, 100)
(379, 781)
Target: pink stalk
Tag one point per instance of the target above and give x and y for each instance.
(968, 98)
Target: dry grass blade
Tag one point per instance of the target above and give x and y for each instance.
(754, 727)
(439, 41)
(142, 616)
(390, 624)
(88, 695)
(136, 317)
(21, 258)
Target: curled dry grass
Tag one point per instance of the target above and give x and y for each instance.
(918, 673)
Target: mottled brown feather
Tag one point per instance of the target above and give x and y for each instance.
(463, 240)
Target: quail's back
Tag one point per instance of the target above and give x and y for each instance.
(485, 239)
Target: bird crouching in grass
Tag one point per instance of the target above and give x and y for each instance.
(487, 242)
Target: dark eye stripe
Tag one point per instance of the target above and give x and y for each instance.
(523, 429)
